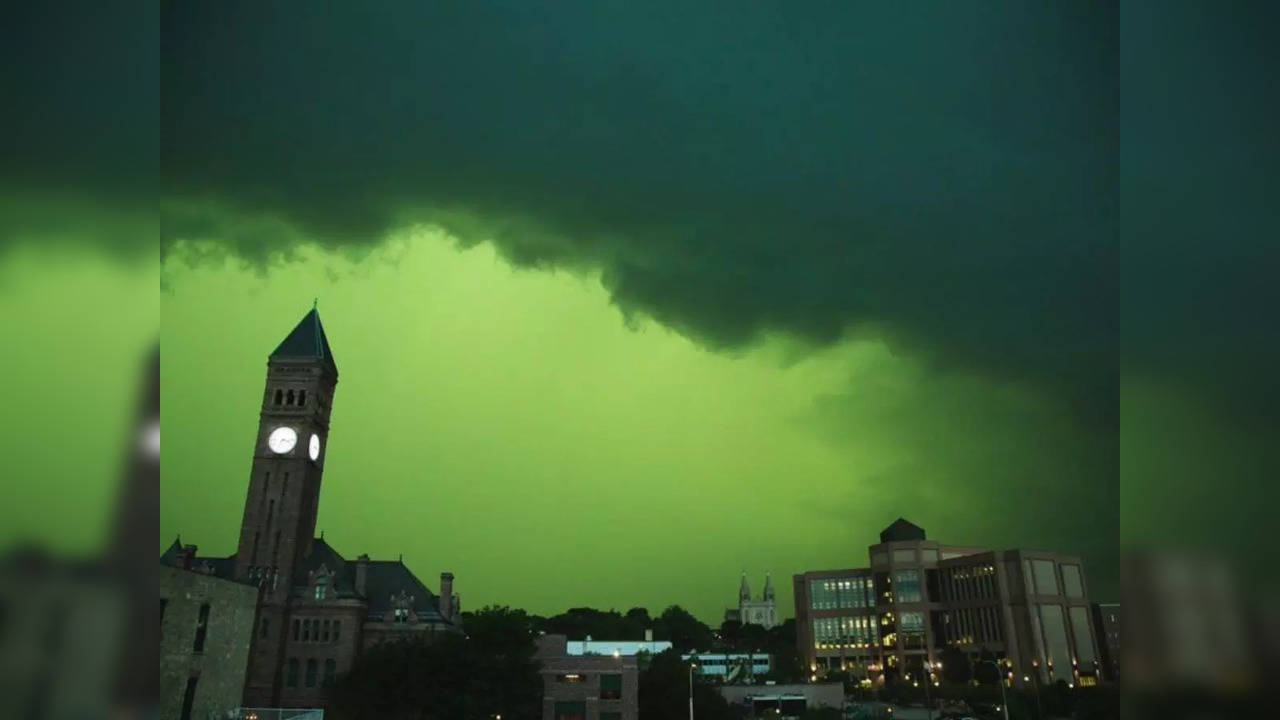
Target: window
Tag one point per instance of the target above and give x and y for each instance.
(302, 398)
(610, 687)
(275, 554)
(279, 396)
(324, 631)
(1080, 631)
(571, 711)
(906, 586)
(311, 672)
(291, 677)
(189, 698)
(288, 398)
(263, 627)
(569, 678)
(296, 627)
(337, 624)
(202, 627)
(266, 483)
(330, 670)
(320, 592)
(254, 557)
(1055, 635)
(880, 558)
(306, 631)
(1072, 584)
(929, 555)
(904, 556)
(1046, 579)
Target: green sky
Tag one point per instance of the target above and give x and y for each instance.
(512, 427)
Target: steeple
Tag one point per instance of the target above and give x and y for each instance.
(768, 586)
(744, 590)
(306, 341)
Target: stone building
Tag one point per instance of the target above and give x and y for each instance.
(763, 612)
(587, 686)
(1026, 611)
(317, 609)
(206, 628)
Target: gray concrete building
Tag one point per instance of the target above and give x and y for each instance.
(206, 628)
(587, 687)
(1027, 611)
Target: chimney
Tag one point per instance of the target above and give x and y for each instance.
(362, 573)
(187, 558)
(446, 595)
(648, 635)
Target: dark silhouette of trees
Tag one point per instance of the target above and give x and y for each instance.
(487, 671)
(664, 692)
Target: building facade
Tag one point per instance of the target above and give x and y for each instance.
(587, 686)
(206, 628)
(1026, 612)
(316, 609)
(750, 611)
(1106, 621)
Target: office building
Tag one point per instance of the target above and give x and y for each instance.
(587, 686)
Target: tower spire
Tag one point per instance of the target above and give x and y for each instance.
(744, 590)
(768, 586)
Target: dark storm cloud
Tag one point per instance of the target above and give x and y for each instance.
(942, 174)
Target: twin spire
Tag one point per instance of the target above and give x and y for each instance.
(744, 590)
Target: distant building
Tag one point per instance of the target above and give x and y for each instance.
(731, 667)
(206, 628)
(1106, 622)
(1028, 611)
(617, 647)
(602, 686)
(763, 612)
(317, 609)
(783, 700)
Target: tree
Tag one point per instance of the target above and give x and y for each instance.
(956, 669)
(686, 632)
(664, 692)
(449, 677)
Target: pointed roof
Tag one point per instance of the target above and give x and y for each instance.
(900, 530)
(307, 340)
(768, 586)
(170, 556)
(744, 590)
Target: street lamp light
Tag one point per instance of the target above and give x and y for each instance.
(693, 662)
(1004, 703)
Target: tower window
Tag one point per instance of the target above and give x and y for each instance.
(271, 510)
(302, 398)
(291, 678)
(289, 398)
(202, 627)
(279, 396)
(254, 557)
(275, 555)
(311, 673)
(337, 626)
(266, 483)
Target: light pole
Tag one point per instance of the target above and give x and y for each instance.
(1004, 704)
(928, 680)
(693, 662)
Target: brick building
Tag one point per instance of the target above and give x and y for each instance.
(1027, 611)
(316, 608)
(587, 686)
(206, 628)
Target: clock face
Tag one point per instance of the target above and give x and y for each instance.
(314, 449)
(282, 440)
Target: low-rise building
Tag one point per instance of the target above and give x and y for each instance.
(1106, 622)
(786, 701)
(604, 686)
(730, 667)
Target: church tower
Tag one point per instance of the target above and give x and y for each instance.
(284, 485)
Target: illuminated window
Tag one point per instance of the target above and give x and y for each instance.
(569, 678)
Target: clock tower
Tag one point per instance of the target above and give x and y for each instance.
(284, 484)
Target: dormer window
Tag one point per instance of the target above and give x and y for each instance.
(320, 592)
(402, 615)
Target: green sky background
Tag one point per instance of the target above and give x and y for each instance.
(510, 426)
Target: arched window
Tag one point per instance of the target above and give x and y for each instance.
(291, 679)
(330, 670)
(279, 396)
(311, 672)
(306, 631)
(289, 398)
(296, 629)
(302, 398)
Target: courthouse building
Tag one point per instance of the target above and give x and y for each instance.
(316, 608)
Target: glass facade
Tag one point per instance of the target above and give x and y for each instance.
(840, 593)
(848, 632)
(1082, 635)
(1072, 585)
(906, 586)
(1055, 638)
(1046, 579)
(911, 628)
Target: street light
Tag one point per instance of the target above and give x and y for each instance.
(693, 662)
(1004, 703)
